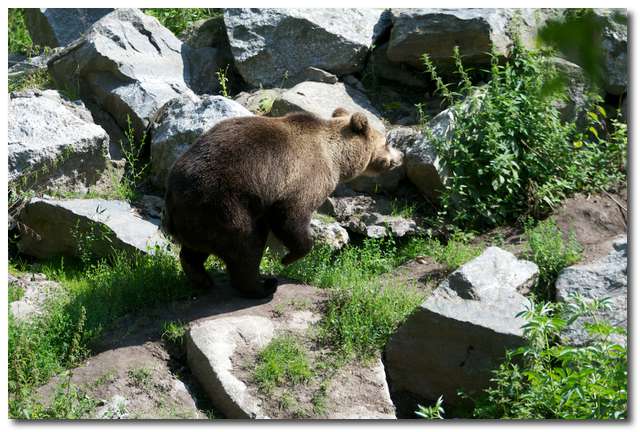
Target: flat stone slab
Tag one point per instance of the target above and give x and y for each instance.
(56, 226)
(222, 350)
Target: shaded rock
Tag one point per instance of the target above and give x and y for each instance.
(379, 66)
(35, 290)
(210, 347)
(329, 233)
(614, 46)
(606, 277)
(386, 182)
(58, 27)
(80, 226)
(438, 31)
(180, 122)
(270, 44)
(322, 99)
(368, 216)
(129, 65)
(207, 32)
(573, 108)
(313, 74)
(460, 333)
(421, 162)
(260, 101)
(53, 142)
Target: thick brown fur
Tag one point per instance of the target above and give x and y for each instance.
(249, 175)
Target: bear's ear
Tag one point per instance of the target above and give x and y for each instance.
(359, 123)
(340, 112)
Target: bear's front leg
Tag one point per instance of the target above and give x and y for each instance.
(295, 235)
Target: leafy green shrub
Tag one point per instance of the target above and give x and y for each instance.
(548, 248)
(510, 153)
(548, 380)
(283, 361)
(19, 40)
(177, 20)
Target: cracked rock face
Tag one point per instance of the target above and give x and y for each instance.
(270, 44)
(460, 333)
(130, 66)
(54, 142)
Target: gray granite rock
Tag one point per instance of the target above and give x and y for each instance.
(180, 122)
(461, 332)
(58, 27)
(53, 142)
(604, 278)
(79, 226)
(322, 99)
(271, 44)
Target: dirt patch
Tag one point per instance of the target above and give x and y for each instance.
(422, 273)
(135, 382)
(595, 219)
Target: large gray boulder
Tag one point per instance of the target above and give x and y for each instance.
(604, 278)
(461, 332)
(180, 122)
(438, 31)
(58, 27)
(614, 46)
(85, 226)
(53, 143)
(322, 99)
(270, 44)
(130, 66)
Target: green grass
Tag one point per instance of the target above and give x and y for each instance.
(39, 79)
(360, 318)
(19, 40)
(178, 19)
(173, 332)
(552, 251)
(283, 362)
(16, 292)
(141, 377)
(95, 296)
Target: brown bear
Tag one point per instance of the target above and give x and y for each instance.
(249, 175)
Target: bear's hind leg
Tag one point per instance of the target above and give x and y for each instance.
(193, 266)
(244, 265)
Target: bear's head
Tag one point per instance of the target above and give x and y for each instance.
(383, 157)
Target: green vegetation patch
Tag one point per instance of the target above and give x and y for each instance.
(19, 40)
(510, 153)
(177, 20)
(545, 379)
(282, 362)
(551, 251)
